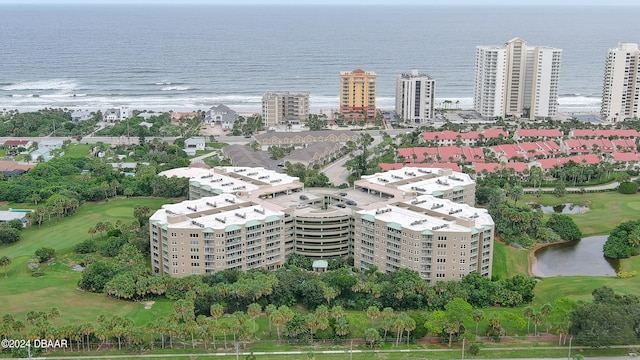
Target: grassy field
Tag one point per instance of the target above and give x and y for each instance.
(509, 261)
(77, 150)
(20, 293)
(607, 209)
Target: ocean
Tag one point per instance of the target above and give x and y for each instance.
(193, 57)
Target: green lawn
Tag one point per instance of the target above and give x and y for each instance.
(509, 261)
(77, 150)
(607, 209)
(20, 293)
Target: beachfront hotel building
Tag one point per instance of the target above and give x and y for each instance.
(283, 107)
(621, 87)
(517, 80)
(415, 96)
(245, 218)
(358, 94)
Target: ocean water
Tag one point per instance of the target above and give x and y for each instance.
(197, 56)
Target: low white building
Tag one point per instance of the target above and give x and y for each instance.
(116, 114)
(192, 145)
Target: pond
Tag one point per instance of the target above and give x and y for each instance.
(564, 209)
(584, 257)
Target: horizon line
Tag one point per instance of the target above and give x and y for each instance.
(301, 5)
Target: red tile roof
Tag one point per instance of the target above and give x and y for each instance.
(589, 159)
(539, 133)
(626, 157)
(493, 167)
(394, 166)
(16, 142)
(605, 133)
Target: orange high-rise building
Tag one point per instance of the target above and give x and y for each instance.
(358, 94)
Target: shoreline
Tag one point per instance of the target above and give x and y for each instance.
(533, 260)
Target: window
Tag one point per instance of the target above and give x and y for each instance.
(441, 260)
(195, 264)
(194, 236)
(174, 249)
(173, 234)
(195, 257)
(174, 256)
(194, 250)
(462, 261)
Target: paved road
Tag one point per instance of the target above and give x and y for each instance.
(345, 351)
(337, 173)
(603, 187)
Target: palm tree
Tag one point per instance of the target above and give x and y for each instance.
(371, 336)
(277, 319)
(268, 310)
(528, 314)
(372, 313)
(409, 325)
(4, 262)
(398, 326)
(337, 312)
(254, 310)
(342, 326)
(478, 316)
(545, 310)
(537, 319)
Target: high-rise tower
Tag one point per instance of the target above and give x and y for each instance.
(621, 83)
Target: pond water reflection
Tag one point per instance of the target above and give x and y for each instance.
(564, 209)
(584, 257)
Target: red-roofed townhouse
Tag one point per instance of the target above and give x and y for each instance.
(537, 134)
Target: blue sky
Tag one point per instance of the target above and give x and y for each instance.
(343, 2)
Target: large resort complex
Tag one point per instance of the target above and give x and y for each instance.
(245, 218)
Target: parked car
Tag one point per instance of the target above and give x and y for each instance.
(341, 205)
(343, 194)
(304, 197)
(351, 202)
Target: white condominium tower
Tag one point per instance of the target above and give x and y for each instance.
(621, 83)
(415, 95)
(517, 80)
(280, 107)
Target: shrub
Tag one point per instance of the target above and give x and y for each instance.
(9, 235)
(547, 235)
(45, 254)
(474, 349)
(628, 188)
(112, 246)
(626, 274)
(564, 226)
(85, 247)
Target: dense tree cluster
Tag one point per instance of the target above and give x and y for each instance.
(623, 241)
(564, 226)
(310, 177)
(246, 126)
(610, 319)
(43, 123)
(161, 125)
(61, 181)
